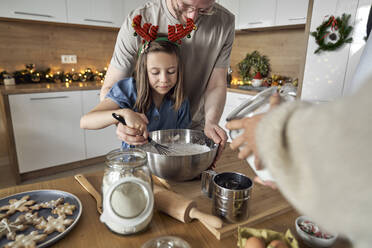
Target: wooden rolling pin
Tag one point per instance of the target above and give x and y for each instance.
(182, 208)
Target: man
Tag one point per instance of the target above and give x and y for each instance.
(206, 57)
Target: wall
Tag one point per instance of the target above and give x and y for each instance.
(43, 44)
(284, 48)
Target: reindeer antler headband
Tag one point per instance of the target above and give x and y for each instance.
(149, 32)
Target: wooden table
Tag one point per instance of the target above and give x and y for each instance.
(90, 232)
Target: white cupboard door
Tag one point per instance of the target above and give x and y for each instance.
(98, 142)
(40, 10)
(106, 13)
(46, 129)
(356, 73)
(233, 7)
(233, 100)
(291, 12)
(257, 13)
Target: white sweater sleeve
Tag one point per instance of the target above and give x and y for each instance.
(321, 159)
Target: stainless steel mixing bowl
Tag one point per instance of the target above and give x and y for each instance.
(179, 167)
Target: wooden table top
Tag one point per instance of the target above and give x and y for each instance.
(90, 232)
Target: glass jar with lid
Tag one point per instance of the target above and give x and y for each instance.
(127, 191)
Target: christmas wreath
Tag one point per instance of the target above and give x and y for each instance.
(253, 64)
(333, 33)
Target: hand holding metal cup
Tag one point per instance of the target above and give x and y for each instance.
(242, 122)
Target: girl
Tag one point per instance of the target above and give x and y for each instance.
(152, 100)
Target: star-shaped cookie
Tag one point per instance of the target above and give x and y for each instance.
(28, 241)
(10, 228)
(50, 204)
(62, 210)
(21, 205)
(54, 224)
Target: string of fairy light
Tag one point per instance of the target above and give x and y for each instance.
(31, 75)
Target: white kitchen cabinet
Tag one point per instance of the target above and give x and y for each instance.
(46, 129)
(233, 7)
(107, 13)
(98, 142)
(257, 13)
(291, 12)
(129, 5)
(328, 74)
(233, 100)
(40, 10)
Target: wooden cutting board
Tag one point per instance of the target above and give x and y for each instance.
(264, 203)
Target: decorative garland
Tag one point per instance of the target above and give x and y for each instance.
(31, 75)
(252, 64)
(333, 33)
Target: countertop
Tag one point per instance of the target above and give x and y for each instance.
(90, 232)
(59, 87)
(48, 87)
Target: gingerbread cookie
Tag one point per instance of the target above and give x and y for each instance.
(10, 228)
(62, 210)
(50, 204)
(54, 224)
(4, 215)
(29, 219)
(27, 241)
(21, 205)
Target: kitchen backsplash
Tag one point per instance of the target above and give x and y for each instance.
(43, 44)
(23, 42)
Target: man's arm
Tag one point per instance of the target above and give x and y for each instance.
(215, 97)
(113, 75)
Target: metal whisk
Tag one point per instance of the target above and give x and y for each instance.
(161, 149)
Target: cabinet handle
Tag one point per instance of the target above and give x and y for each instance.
(101, 21)
(255, 23)
(31, 14)
(296, 19)
(47, 98)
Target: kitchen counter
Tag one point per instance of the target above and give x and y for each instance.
(90, 232)
(48, 87)
(58, 87)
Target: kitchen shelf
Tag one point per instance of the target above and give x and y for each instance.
(273, 28)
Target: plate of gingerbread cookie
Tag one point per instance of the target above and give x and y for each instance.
(37, 218)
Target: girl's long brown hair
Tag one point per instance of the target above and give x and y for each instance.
(144, 93)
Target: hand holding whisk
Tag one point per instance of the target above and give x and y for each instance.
(161, 149)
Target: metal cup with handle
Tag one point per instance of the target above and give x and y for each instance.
(230, 193)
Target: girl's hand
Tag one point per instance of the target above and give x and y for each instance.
(135, 132)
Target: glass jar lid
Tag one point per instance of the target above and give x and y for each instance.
(166, 242)
(128, 158)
